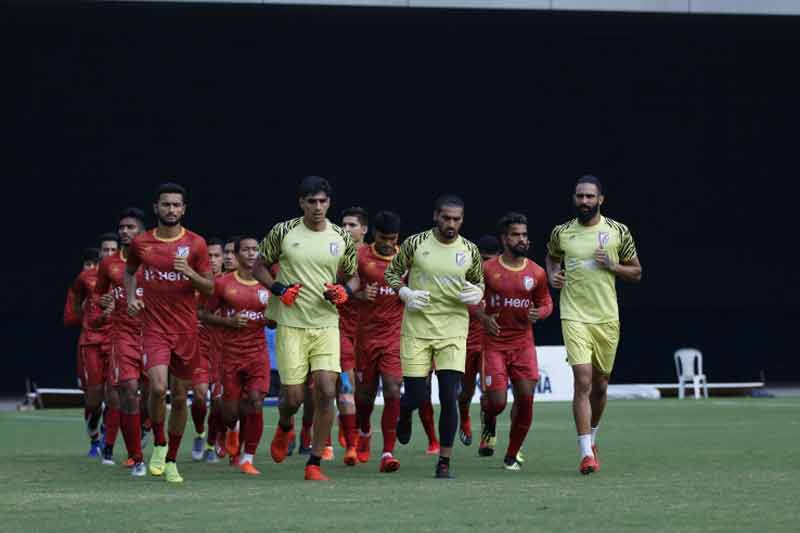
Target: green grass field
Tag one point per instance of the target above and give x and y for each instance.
(668, 465)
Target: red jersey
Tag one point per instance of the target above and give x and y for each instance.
(71, 320)
(111, 276)
(236, 296)
(170, 306)
(475, 334)
(83, 289)
(381, 319)
(210, 334)
(509, 294)
(350, 312)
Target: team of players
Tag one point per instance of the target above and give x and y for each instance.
(159, 314)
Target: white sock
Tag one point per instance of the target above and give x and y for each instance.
(585, 445)
(386, 454)
(364, 434)
(247, 458)
(594, 434)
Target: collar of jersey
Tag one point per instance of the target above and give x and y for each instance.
(509, 267)
(244, 281)
(173, 239)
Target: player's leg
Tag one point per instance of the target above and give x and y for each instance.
(256, 385)
(416, 360)
(199, 410)
(521, 419)
(471, 371)
(391, 412)
(449, 357)
(216, 426)
(157, 385)
(112, 420)
(495, 397)
(606, 340)
(94, 388)
(428, 422)
(366, 391)
(179, 413)
(347, 414)
(580, 347)
(308, 418)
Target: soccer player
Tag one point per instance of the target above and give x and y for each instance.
(94, 343)
(245, 358)
(489, 247)
(378, 340)
(206, 371)
(71, 319)
(175, 264)
(127, 363)
(517, 295)
(311, 251)
(444, 277)
(595, 250)
(355, 221)
(229, 263)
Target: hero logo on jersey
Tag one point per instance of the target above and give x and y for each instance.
(528, 282)
(334, 247)
(603, 238)
(183, 251)
(461, 258)
(263, 296)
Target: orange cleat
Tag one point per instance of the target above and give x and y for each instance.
(351, 457)
(327, 453)
(232, 442)
(279, 448)
(362, 450)
(596, 458)
(433, 448)
(588, 465)
(389, 464)
(129, 462)
(248, 468)
(314, 473)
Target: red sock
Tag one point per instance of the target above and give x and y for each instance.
(391, 412)
(199, 414)
(463, 411)
(426, 415)
(112, 425)
(215, 426)
(520, 424)
(363, 415)
(132, 433)
(174, 445)
(255, 427)
(159, 439)
(328, 441)
(350, 429)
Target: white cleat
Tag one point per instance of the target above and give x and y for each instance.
(197, 448)
(513, 467)
(139, 470)
(210, 456)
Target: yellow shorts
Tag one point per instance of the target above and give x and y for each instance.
(419, 355)
(300, 350)
(594, 344)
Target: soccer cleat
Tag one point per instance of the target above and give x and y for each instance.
(280, 444)
(171, 473)
(233, 460)
(232, 442)
(158, 460)
(292, 446)
(219, 445)
(197, 447)
(465, 432)
(351, 457)
(596, 458)
(94, 449)
(404, 427)
(210, 456)
(139, 470)
(129, 463)
(389, 464)
(340, 436)
(108, 455)
(588, 465)
(327, 453)
(488, 440)
(512, 464)
(362, 450)
(520, 458)
(443, 471)
(248, 468)
(314, 473)
(433, 448)
(305, 442)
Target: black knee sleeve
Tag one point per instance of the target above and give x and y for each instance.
(414, 391)
(449, 389)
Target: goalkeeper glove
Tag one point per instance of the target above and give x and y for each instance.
(470, 294)
(337, 294)
(287, 294)
(415, 300)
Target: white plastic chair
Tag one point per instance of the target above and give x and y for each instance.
(689, 365)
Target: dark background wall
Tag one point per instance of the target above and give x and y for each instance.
(690, 120)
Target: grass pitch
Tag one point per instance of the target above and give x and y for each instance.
(668, 465)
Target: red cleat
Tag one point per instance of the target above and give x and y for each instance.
(129, 462)
(433, 448)
(588, 465)
(232, 442)
(350, 457)
(248, 468)
(389, 464)
(279, 448)
(465, 432)
(362, 450)
(314, 473)
(219, 445)
(596, 457)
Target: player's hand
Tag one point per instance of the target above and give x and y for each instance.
(287, 294)
(134, 306)
(533, 314)
(602, 258)
(108, 310)
(490, 324)
(470, 294)
(181, 265)
(337, 294)
(415, 300)
(238, 321)
(106, 301)
(558, 280)
(371, 291)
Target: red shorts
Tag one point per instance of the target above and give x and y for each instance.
(178, 352)
(348, 353)
(378, 357)
(127, 362)
(95, 364)
(240, 375)
(473, 365)
(500, 366)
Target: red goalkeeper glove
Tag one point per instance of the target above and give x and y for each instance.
(287, 294)
(337, 294)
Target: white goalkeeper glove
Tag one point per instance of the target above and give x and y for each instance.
(470, 294)
(415, 300)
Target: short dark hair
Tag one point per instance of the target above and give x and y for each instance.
(232, 239)
(594, 180)
(311, 185)
(134, 213)
(450, 200)
(91, 254)
(109, 237)
(386, 222)
(214, 241)
(359, 212)
(170, 188)
(508, 219)
(488, 244)
(237, 244)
